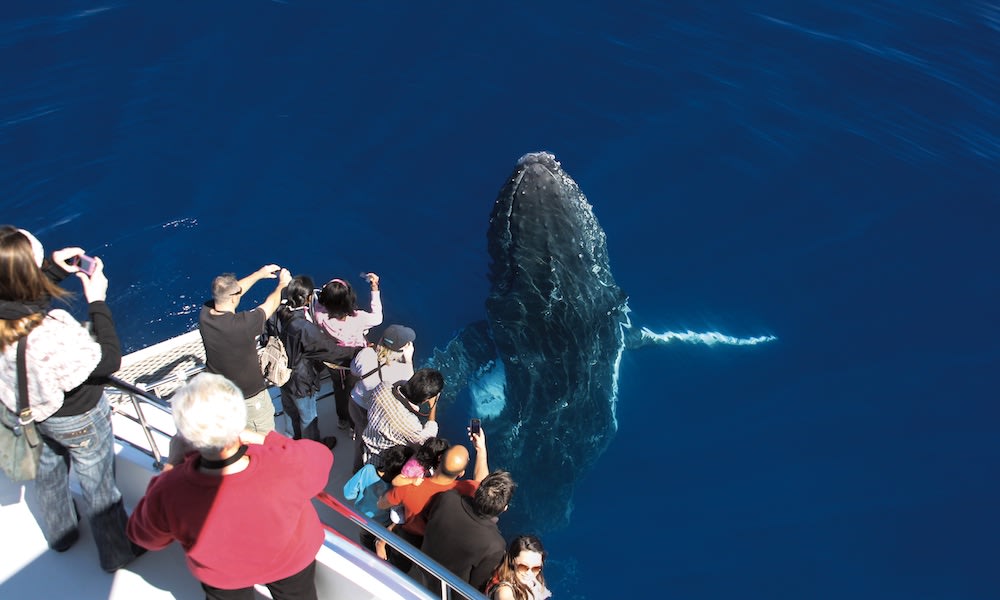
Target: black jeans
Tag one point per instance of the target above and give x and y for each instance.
(343, 382)
(301, 586)
(397, 559)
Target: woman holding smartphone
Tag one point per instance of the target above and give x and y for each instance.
(66, 371)
(337, 313)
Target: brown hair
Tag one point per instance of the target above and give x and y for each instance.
(21, 281)
(506, 571)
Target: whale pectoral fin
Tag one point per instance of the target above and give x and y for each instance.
(463, 358)
(643, 336)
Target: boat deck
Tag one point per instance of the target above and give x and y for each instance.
(28, 569)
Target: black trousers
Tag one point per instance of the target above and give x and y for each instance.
(301, 586)
(343, 382)
(396, 559)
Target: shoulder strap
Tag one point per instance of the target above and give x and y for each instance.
(378, 368)
(24, 417)
(22, 376)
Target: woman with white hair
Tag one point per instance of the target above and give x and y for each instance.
(65, 370)
(229, 546)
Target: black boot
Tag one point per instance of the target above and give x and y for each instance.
(311, 432)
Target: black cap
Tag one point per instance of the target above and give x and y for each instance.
(397, 336)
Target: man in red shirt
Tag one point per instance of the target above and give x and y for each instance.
(241, 506)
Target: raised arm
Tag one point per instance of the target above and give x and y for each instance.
(95, 288)
(273, 300)
(376, 306)
(482, 468)
(265, 272)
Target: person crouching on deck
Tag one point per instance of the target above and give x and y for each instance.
(261, 526)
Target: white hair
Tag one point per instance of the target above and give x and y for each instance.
(209, 412)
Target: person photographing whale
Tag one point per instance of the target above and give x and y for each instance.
(230, 338)
(402, 412)
(63, 369)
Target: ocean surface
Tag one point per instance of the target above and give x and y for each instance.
(824, 172)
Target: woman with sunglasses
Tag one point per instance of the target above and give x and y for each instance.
(519, 574)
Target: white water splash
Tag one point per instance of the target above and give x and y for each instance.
(709, 338)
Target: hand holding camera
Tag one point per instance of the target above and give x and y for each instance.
(268, 271)
(372, 279)
(66, 258)
(91, 274)
(284, 277)
(84, 264)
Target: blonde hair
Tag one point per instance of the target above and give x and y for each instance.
(21, 280)
(387, 355)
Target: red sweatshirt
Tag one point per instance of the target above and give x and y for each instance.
(255, 526)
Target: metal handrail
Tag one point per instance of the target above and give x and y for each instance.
(134, 393)
(450, 582)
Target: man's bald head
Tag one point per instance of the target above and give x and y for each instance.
(454, 461)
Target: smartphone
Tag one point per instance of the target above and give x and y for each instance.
(474, 426)
(87, 264)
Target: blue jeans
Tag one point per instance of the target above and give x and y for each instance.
(301, 412)
(86, 442)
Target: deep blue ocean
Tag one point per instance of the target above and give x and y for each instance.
(825, 172)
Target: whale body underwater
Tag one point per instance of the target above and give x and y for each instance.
(541, 370)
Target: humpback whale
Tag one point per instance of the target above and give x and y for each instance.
(542, 370)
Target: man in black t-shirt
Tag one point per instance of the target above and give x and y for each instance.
(462, 532)
(230, 338)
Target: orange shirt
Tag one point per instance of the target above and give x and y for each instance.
(414, 499)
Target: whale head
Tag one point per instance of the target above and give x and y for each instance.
(556, 318)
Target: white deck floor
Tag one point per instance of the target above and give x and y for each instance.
(28, 569)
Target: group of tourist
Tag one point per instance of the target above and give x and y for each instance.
(260, 527)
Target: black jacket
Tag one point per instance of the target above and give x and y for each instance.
(307, 347)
